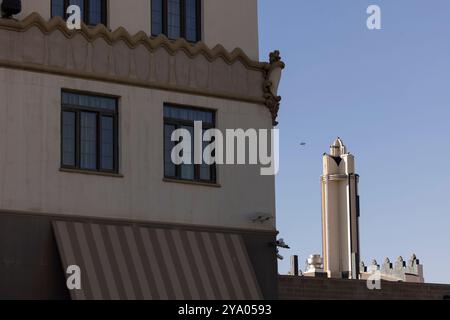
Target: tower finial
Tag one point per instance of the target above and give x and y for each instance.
(338, 148)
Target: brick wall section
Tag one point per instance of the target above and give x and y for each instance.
(300, 288)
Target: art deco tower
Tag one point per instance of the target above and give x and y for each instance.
(340, 213)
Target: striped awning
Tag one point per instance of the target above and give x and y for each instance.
(130, 262)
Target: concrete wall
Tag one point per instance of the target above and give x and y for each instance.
(231, 23)
(30, 179)
(301, 288)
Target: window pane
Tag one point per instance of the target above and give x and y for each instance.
(95, 12)
(88, 139)
(88, 101)
(70, 98)
(68, 139)
(173, 19)
(184, 117)
(191, 20)
(58, 8)
(107, 149)
(79, 3)
(89, 131)
(187, 114)
(157, 17)
(188, 170)
(205, 170)
(169, 166)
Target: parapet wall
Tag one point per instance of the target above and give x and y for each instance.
(411, 271)
(302, 288)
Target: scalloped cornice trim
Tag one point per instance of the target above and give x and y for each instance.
(271, 71)
(140, 38)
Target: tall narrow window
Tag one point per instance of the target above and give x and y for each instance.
(96, 12)
(89, 132)
(88, 140)
(174, 19)
(176, 117)
(69, 138)
(58, 8)
(157, 17)
(79, 3)
(191, 20)
(93, 12)
(107, 138)
(177, 19)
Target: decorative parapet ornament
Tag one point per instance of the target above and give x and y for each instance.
(411, 271)
(34, 44)
(314, 267)
(271, 84)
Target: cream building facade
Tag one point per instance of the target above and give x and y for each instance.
(231, 24)
(131, 79)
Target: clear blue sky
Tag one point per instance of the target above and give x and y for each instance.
(387, 94)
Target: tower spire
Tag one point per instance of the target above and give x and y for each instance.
(338, 148)
(340, 213)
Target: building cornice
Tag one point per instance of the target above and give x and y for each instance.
(96, 53)
(121, 34)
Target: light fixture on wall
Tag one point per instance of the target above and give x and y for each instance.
(11, 7)
(283, 245)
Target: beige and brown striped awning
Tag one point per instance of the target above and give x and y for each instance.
(132, 262)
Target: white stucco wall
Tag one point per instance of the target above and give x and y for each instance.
(231, 23)
(30, 179)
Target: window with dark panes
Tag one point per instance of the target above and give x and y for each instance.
(173, 19)
(93, 12)
(177, 19)
(89, 132)
(177, 117)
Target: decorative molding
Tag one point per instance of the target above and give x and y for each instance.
(273, 77)
(152, 43)
(411, 271)
(339, 177)
(130, 82)
(118, 57)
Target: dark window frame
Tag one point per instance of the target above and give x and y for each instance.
(164, 19)
(85, 13)
(99, 114)
(178, 123)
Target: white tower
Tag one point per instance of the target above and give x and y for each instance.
(340, 213)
